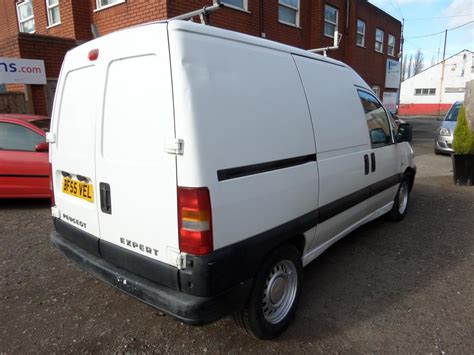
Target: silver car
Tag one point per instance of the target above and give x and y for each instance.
(444, 134)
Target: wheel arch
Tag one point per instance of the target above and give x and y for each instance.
(409, 174)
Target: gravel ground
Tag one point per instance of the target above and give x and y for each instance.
(387, 287)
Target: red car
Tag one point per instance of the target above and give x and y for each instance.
(24, 165)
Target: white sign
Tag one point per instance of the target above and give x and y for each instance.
(392, 74)
(22, 71)
(390, 101)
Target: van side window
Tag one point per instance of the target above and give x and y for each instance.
(377, 120)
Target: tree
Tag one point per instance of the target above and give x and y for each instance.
(463, 142)
(433, 61)
(418, 63)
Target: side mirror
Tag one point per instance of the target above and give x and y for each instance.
(377, 136)
(404, 133)
(42, 147)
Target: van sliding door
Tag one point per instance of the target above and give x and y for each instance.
(342, 146)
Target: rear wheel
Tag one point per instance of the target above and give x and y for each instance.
(274, 296)
(400, 204)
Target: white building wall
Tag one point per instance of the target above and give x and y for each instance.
(459, 69)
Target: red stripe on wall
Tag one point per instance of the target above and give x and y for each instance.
(423, 109)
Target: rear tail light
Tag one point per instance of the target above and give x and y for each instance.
(195, 220)
(51, 187)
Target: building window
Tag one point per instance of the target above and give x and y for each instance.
(391, 45)
(107, 3)
(240, 4)
(379, 40)
(26, 19)
(360, 39)
(425, 92)
(288, 11)
(54, 17)
(331, 15)
(454, 90)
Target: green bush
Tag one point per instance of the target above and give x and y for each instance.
(463, 141)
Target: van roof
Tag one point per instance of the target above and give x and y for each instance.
(188, 26)
(180, 25)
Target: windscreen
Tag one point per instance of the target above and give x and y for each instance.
(453, 113)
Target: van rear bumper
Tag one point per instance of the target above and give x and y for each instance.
(187, 308)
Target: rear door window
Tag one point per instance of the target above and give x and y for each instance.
(42, 124)
(16, 137)
(378, 122)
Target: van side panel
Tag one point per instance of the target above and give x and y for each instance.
(240, 106)
(342, 141)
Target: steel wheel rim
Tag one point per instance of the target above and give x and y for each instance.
(279, 292)
(402, 198)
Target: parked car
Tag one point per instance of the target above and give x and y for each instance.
(443, 143)
(199, 169)
(24, 165)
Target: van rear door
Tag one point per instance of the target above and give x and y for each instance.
(136, 178)
(73, 151)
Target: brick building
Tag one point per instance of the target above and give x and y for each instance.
(47, 29)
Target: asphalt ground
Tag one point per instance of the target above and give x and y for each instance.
(404, 287)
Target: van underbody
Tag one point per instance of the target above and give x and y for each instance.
(208, 288)
(103, 260)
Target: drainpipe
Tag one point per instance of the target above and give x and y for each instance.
(402, 39)
(442, 73)
(262, 20)
(346, 30)
(348, 9)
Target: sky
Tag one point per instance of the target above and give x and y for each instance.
(424, 18)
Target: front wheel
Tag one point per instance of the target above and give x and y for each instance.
(400, 203)
(274, 296)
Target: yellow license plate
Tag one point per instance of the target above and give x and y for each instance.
(78, 189)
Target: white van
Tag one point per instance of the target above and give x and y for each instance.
(199, 170)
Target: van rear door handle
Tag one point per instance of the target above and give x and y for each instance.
(105, 198)
(366, 163)
(372, 158)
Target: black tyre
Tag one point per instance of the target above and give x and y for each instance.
(401, 201)
(274, 296)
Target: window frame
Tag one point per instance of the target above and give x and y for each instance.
(336, 24)
(381, 42)
(425, 92)
(392, 47)
(359, 33)
(245, 4)
(49, 9)
(27, 129)
(98, 7)
(22, 21)
(392, 129)
(296, 9)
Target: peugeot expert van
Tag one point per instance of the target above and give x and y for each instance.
(199, 170)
